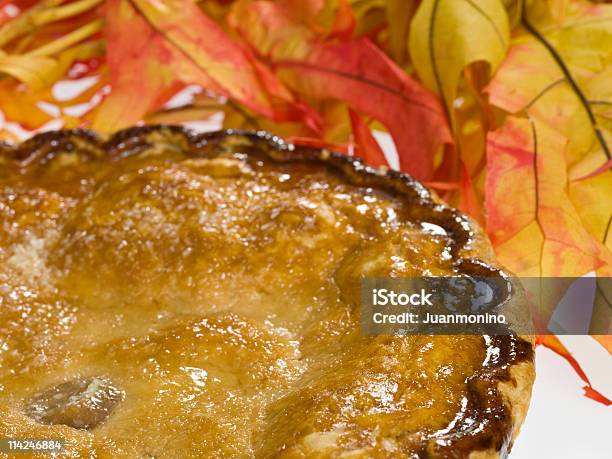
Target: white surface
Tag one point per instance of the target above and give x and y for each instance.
(561, 422)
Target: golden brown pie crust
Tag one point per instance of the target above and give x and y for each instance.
(203, 288)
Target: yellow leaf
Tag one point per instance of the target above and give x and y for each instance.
(44, 12)
(446, 36)
(560, 74)
(32, 70)
(589, 198)
(399, 16)
(371, 15)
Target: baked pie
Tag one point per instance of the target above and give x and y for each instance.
(171, 294)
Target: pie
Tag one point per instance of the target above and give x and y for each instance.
(171, 294)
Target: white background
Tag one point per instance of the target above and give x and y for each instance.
(561, 422)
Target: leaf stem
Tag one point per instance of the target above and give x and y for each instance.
(68, 40)
(44, 13)
(66, 11)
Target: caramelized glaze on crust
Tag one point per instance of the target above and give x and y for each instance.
(166, 294)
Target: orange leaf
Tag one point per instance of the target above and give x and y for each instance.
(152, 46)
(19, 105)
(553, 343)
(558, 74)
(354, 71)
(368, 148)
(533, 225)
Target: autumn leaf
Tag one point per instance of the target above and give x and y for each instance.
(564, 89)
(536, 230)
(39, 66)
(367, 147)
(33, 109)
(153, 48)
(399, 17)
(454, 47)
(561, 85)
(564, 86)
(447, 36)
(347, 70)
(557, 74)
(532, 223)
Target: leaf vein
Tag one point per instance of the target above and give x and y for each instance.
(568, 76)
(377, 84)
(544, 91)
(432, 57)
(500, 37)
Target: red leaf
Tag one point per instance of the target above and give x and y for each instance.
(368, 148)
(358, 73)
(553, 343)
(314, 54)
